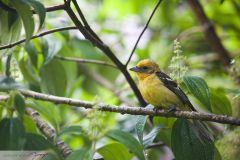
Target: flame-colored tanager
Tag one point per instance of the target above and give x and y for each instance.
(160, 90)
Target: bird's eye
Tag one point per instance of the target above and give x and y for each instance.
(145, 67)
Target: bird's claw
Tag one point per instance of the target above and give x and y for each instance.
(172, 109)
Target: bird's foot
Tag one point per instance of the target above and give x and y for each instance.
(172, 108)
(156, 109)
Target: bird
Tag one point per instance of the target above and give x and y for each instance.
(158, 89)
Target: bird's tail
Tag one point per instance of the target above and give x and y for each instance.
(202, 131)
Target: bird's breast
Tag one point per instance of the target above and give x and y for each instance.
(155, 93)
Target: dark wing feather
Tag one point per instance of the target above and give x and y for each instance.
(171, 85)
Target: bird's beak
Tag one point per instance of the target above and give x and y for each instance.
(135, 69)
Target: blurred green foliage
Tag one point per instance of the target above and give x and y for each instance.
(32, 65)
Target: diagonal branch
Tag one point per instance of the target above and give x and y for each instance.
(48, 131)
(44, 128)
(209, 32)
(86, 25)
(37, 36)
(106, 50)
(132, 110)
(144, 29)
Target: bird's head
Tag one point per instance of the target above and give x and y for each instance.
(145, 68)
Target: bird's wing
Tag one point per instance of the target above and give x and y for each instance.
(172, 86)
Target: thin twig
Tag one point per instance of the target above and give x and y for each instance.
(80, 60)
(209, 32)
(48, 9)
(144, 29)
(36, 36)
(132, 110)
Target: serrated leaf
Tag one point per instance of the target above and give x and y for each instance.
(139, 127)
(24, 10)
(80, 154)
(187, 145)
(12, 134)
(32, 53)
(54, 78)
(36, 142)
(19, 104)
(199, 89)
(128, 141)
(220, 103)
(39, 9)
(116, 151)
(149, 138)
(71, 130)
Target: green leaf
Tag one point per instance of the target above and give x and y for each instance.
(28, 72)
(39, 9)
(36, 142)
(12, 18)
(8, 65)
(139, 127)
(12, 134)
(80, 154)
(187, 145)
(116, 151)
(220, 103)
(149, 138)
(29, 125)
(217, 154)
(24, 10)
(199, 89)
(32, 53)
(50, 48)
(128, 141)
(71, 130)
(53, 78)
(7, 83)
(47, 110)
(19, 104)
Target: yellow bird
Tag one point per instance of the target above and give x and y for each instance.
(159, 89)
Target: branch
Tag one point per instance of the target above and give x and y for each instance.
(48, 131)
(36, 36)
(80, 60)
(209, 32)
(48, 9)
(132, 110)
(105, 49)
(86, 25)
(144, 29)
(44, 128)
